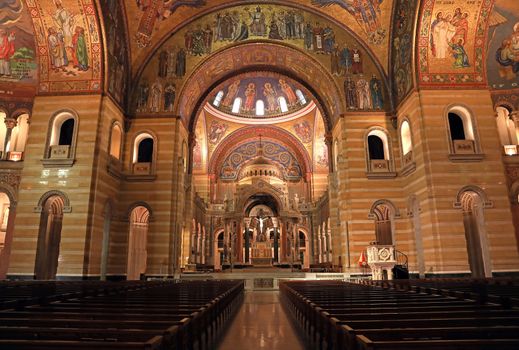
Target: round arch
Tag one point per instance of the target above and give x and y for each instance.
(268, 56)
(246, 132)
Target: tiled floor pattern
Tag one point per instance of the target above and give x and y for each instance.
(261, 323)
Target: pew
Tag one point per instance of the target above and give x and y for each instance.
(339, 315)
(117, 315)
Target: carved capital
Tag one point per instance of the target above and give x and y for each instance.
(10, 123)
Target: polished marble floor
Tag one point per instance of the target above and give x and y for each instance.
(261, 323)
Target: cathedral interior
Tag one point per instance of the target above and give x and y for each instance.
(167, 152)
(147, 139)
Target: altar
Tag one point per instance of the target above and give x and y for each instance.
(261, 254)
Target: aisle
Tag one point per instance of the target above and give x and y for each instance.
(261, 323)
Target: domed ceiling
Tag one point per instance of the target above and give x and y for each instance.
(259, 95)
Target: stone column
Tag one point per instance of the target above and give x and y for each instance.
(10, 124)
(6, 252)
(295, 235)
(276, 245)
(247, 244)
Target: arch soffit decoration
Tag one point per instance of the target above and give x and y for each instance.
(268, 56)
(244, 134)
(486, 202)
(392, 207)
(145, 54)
(66, 201)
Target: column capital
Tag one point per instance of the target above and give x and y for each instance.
(10, 123)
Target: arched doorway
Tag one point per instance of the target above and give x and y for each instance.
(7, 213)
(137, 241)
(472, 203)
(49, 238)
(383, 212)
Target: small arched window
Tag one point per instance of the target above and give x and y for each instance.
(66, 132)
(116, 141)
(379, 163)
(462, 135)
(236, 105)
(508, 133)
(218, 99)
(405, 137)
(145, 151)
(61, 141)
(376, 147)
(143, 154)
(457, 128)
(301, 97)
(260, 108)
(283, 104)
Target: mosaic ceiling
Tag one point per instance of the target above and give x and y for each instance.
(56, 46)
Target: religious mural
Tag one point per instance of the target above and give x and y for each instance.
(367, 13)
(452, 42)
(277, 95)
(402, 50)
(273, 151)
(153, 11)
(503, 46)
(329, 44)
(303, 130)
(320, 147)
(69, 49)
(18, 62)
(199, 145)
(117, 52)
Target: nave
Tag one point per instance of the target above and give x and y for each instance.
(430, 314)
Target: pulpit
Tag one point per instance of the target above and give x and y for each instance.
(261, 254)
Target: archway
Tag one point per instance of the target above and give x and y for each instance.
(7, 214)
(137, 241)
(49, 237)
(472, 203)
(384, 213)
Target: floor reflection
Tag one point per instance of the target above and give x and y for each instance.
(261, 323)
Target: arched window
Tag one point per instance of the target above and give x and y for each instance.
(66, 132)
(283, 104)
(236, 105)
(145, 151)
(61, 141)
(406, 143)
(456, 127)
(508, 134)
(218, 99)
(301, 98)
(376, 147)
(143, 154)
(462, 135)
(379, 162)
(116, 141)
(405, 137)
(260, 108)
